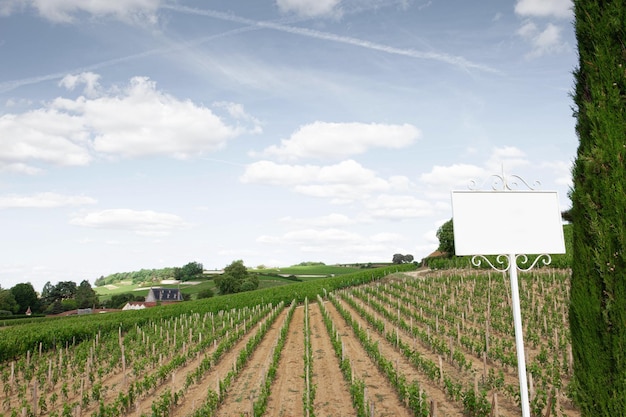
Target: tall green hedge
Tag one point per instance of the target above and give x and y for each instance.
(598, 295)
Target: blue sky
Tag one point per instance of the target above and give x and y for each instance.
(151, 133)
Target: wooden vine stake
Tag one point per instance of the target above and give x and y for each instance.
(433, 408)
(549, 406)
(485, 366)
(35, 397)
(12, 378)
(440, 370)
(494, 405)
(123, 364)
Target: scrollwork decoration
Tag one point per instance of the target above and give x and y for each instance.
(544, 259)
(503, 183)
(503, 264)
(501, 260)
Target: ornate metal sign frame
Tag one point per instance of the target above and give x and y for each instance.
(511, 263)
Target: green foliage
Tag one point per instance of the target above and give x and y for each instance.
(399, 258)
(598, 287)
(120, 300)
(17, 340)
(560, 261)
(25, 296)
(7, 301)
(205, 293)
(236, 278)
(311, 264)
(143, 275)
(445, 234)
(69, 304)
(189, 272)
(86, 297)
(477, 405)
(327, 270)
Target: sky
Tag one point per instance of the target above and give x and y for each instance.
(152, 133)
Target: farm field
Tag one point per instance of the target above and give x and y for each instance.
(404, 345)
(268, 278)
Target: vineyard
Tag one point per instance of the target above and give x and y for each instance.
(380, 344)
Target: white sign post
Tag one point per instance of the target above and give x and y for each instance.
(510, 224)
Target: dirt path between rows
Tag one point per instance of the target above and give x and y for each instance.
(505, 406)
(247, 384)
(288, 387)
(435, 393)
(379, 392)
(196, 394)
(332, 397)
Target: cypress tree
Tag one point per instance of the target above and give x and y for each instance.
(598, 283)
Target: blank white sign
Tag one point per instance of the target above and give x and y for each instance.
(507, 222)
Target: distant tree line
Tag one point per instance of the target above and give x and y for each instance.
(187, 272)
(54, 299)
(143, 275)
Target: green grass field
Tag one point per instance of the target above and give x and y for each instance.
(309, 270)
(270, 277)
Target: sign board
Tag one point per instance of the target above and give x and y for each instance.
(507, 222)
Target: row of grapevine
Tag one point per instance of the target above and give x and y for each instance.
(459, 317)
(309, 388)
(140, 360)
(18, 339)
(409, 393)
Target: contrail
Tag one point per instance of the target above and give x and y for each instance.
(251, 25)
(412, 53)
(13, 84)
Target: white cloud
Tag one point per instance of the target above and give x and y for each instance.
(237, 112)
(398, 207)
(132, 121)
(66, 11)
(341, 243)
(561, 9)
(386, 237)
(338, 140)
(146, 222)
(43, 135)
(562, 171)
(43, 200)
(345, 181)
(508, 157)
(543, 42)
(144, 121)
(330, 220)
(310, 8)
(447, 177)
(461, 176)
(89, 79)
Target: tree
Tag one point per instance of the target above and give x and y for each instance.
(188, 272)
(64, 290)
(46, 292)
(85, 295)
(597, 310)
(7, 301)
(399, 258)
(236, 279)
(445, 234)
(25, 296)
